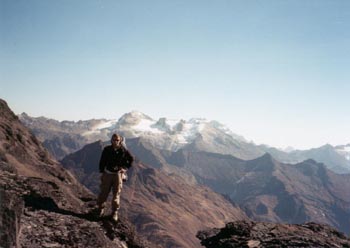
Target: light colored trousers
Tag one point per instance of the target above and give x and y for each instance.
(110, 182)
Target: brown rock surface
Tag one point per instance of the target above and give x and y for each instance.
(253, 234)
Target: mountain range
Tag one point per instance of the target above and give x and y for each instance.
(65, 137)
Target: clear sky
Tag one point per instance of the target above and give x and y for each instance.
(276, 72)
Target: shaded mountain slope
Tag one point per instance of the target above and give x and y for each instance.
(307, 191)
(84, 165)
(158, 204)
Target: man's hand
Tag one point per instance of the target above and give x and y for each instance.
(124, 176)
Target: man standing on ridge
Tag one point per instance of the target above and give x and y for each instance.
(114, 162)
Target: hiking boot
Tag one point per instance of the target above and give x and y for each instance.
(115, 216)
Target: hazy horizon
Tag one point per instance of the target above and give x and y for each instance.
(274, 72)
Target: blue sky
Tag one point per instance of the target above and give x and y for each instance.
(273, 71)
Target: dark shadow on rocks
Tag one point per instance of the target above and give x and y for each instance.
(48, 204)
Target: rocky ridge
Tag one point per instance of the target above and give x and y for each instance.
(251, 234)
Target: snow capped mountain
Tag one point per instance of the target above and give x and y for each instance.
(344, 151)
(170, 134)
(164, 133)
(139, 123)
(97, 128)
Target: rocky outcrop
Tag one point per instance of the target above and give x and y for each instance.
(253, 234)
(36, 213)
(11, 208)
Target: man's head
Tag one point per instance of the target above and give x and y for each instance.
(116, 140)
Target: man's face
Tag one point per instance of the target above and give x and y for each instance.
(116, 141)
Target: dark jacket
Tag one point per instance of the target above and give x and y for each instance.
(114, 160)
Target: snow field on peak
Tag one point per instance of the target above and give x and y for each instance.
(344, 151)
(182, 131)
(146, 126)
(170, 133)
(107, 124)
